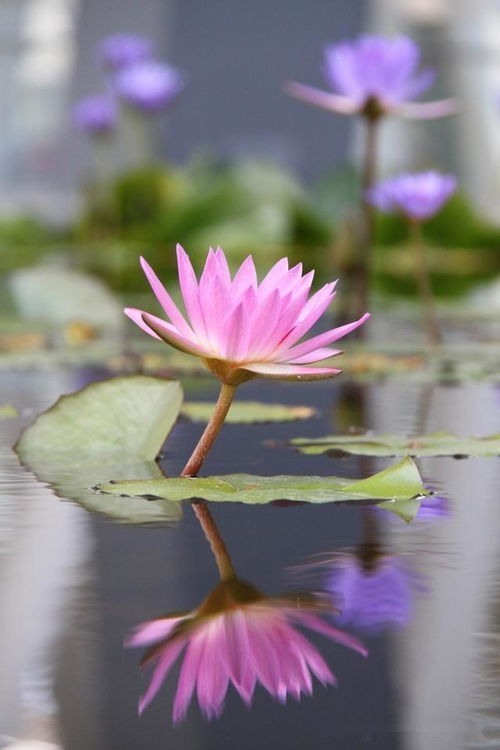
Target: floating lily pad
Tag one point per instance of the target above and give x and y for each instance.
(247, 412)
(434, 444)
(398, 488)
(116, 425)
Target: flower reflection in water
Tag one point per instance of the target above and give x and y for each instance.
(237, 635)
(373, 590)
(433, 508)
(370, 588)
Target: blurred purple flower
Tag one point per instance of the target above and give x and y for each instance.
(119, 50)
(371, 597)
(238, 635)
(95, 115)
(418, 196)
(149, 86)
(374, 76)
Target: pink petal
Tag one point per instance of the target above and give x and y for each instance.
(170, 335)
(311, 312)
(234, 330)
(187, 677)
(165, 300)
(294, 675)
(317, 302)
(245, 276)
(208, 273)
(189, 289)
(264, 311)
(342, 105)
(311, 657)
(290, 372)
(167, 658)
(304, 287)
(152, 631)
(214, 301)
(315, 356)
(136, 315)
(212, 679)
(222, 267)
(273, 329)
(270, 280)
(291, 280)
(237, 656)
(263, 653)
(323, 339)
(430, 110)
(320, 626)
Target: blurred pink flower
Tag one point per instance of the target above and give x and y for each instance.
(241, 328)
(374, 76)
(237, 635)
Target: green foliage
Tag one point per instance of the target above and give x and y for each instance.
(248, 207)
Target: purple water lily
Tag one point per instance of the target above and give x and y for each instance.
(119, 50)
(418, 196)
(374, 76)
(149, 86)
(96, 115)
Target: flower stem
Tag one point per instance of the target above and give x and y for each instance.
(215, 540)
(212, 429)
(363, 260)
(369, 174)
(424, 286)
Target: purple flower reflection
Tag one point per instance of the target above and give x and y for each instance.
(433, 507)
(418, 196)
(238, 636)
(119, 50)
(374, 75)
(95, 115)
(149, 86)
(371, 597)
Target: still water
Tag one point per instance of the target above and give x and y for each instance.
(73, 584)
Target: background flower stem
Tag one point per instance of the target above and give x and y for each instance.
(368, 177)
(424, 286)
(211, 431)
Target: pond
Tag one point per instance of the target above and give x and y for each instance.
(74, 583)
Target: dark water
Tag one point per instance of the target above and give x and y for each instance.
(72, 584)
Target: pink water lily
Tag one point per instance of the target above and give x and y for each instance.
(241, 328)
(238, 636)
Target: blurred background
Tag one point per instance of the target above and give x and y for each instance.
(232, 160)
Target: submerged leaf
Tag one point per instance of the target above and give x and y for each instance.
(247, 412)
(399, 487)
(433, 444)
(115, 426)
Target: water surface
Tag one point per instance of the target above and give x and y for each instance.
(72, 584)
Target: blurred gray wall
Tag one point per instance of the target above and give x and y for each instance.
(237, 55)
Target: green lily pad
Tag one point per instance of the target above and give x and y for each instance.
(247, 412)
(116, 425)
(433, 444)
(398, 488)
